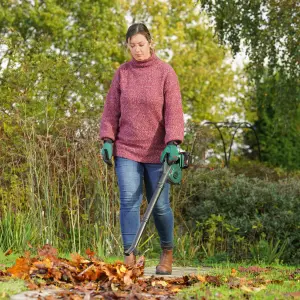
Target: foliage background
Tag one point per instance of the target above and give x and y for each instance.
(57, 60)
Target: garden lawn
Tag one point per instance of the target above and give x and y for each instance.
(246, 282)
(221, 282)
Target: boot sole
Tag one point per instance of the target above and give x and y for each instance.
(163, 273)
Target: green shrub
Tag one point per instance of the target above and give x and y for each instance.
(243, 211)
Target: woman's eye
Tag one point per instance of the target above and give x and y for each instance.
(140, 45)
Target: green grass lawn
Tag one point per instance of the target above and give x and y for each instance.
(277, 282)
(227, 281)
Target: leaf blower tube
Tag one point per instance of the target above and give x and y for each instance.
(172, 174)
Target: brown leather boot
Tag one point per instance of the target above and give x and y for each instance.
(165, 264)
(130, 260)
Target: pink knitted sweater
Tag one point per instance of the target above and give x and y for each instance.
(143, 110)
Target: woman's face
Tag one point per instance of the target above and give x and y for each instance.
(139, 47)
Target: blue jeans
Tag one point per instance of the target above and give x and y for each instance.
(131, 176)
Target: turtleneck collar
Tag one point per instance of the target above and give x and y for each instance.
(144, 63)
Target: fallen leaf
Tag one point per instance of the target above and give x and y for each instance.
(246, 289)
(78, 259)
(8, 252)
(175, 289)
(20, 269)
(252, 269)
(201, 278)
(127, 278)
(75, 297)
(114, 287)
(162, 282)
(32, 286)
(233, 272)
(215, 280)
(123, 269)
(295, 295)
(47, 251)
(258, 289)
(43, 264)
(89, 253)
(50, 297)
(87, 296)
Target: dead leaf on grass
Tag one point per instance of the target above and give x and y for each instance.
(295, 295)
(47, 251)
(252, 269)
(8, 252)
(21, 268)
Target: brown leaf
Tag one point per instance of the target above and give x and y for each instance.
(32, 286)
(2, 273)
(110, 272)
(233, 272)
(78, 259)
(75, 297)
(93, 274)
(295, 295)
(90, 253)
(67, 266)
(21, 268)
(43, 264)
(8, 252)
(201, 278)
(128, 278)
(252, 269)
(50, 297)
(159, 282)
(215, 280)
(47, 251)
(55, 274)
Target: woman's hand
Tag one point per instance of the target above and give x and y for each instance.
(106, 151)
(170, 153)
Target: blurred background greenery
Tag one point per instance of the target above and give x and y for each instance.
(236, 61)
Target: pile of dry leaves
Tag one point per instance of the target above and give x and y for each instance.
(88, 277)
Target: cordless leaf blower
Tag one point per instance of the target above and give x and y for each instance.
(172, 174)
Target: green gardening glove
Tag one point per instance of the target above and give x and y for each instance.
(106, 152)
(170, 153)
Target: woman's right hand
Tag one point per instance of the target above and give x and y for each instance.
(170, 153)
(106, 151)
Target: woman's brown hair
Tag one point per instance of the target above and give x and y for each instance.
(138, 28)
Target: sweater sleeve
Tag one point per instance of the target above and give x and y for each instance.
(111, 114)
(173, 112)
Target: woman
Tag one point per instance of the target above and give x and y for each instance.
(141, 125)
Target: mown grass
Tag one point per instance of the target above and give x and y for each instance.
(270, 292)
(277, 282)
(11, 287)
